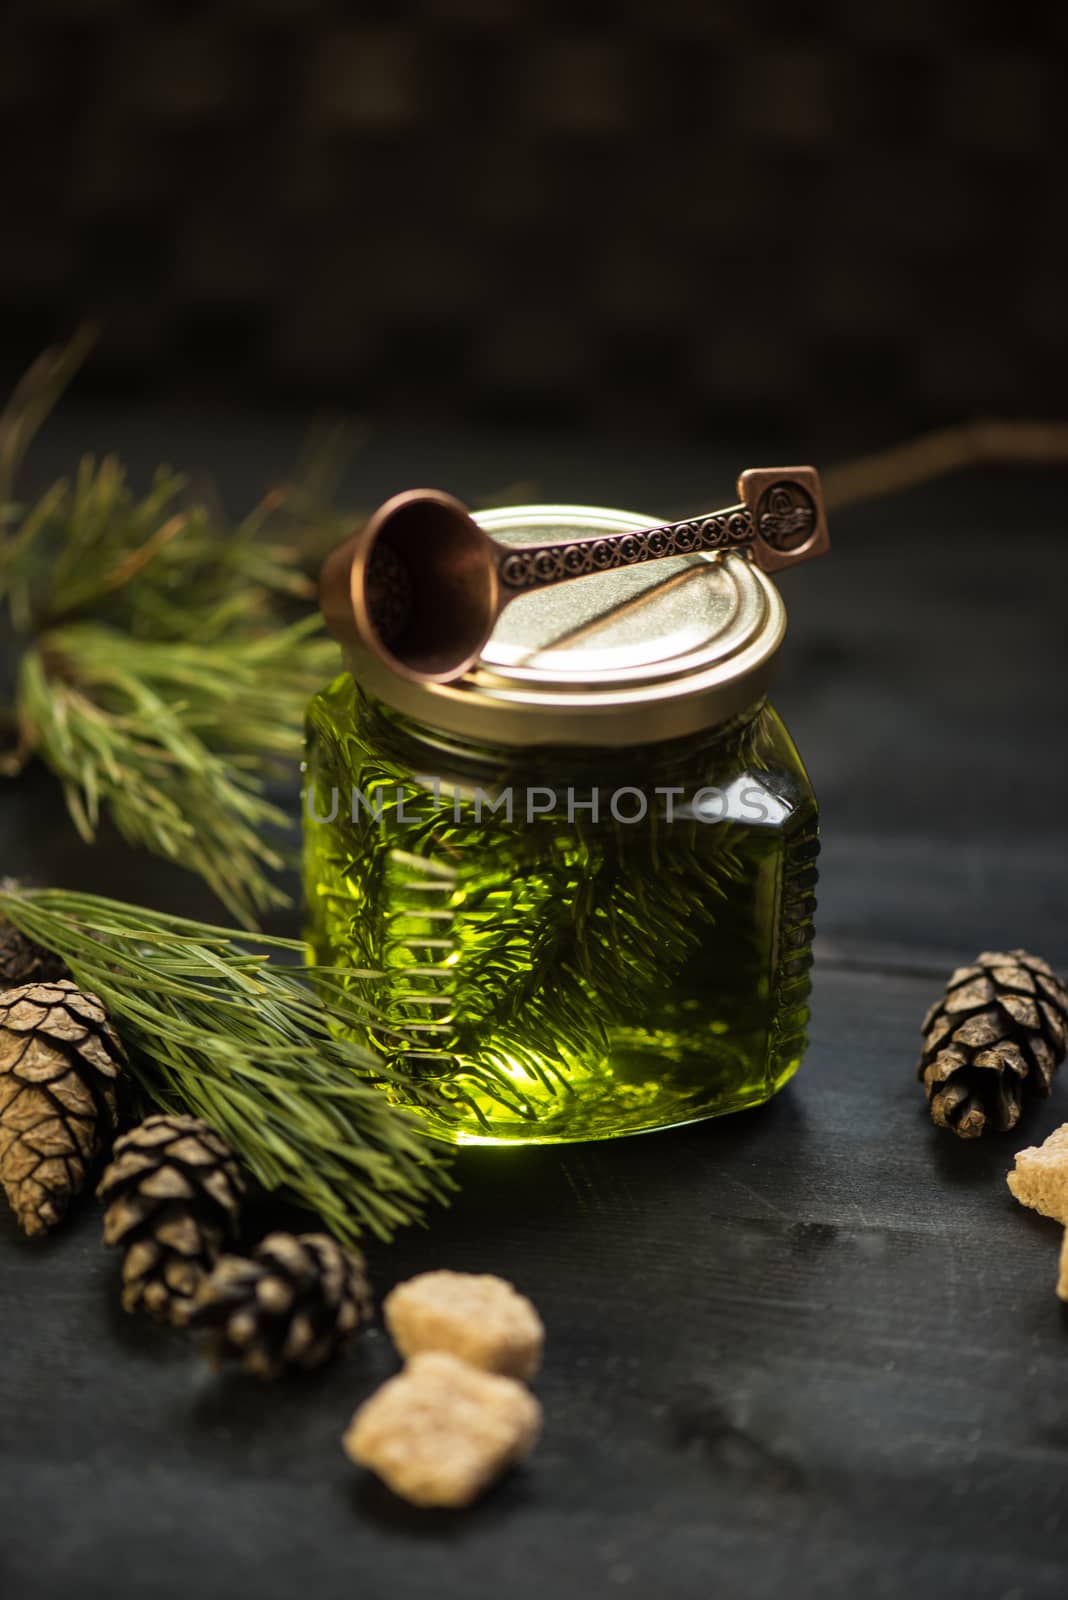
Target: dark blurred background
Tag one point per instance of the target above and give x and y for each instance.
(828, 224)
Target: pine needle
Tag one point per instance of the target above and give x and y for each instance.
(237, 1036)
(33, 400)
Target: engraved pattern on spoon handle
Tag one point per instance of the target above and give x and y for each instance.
(537, 566)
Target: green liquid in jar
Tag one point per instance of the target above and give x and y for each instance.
(563, 979)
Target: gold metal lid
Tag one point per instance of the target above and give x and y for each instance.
(628, 656)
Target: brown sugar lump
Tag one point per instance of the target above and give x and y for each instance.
(1062, 1277)
(480, 1318)
(442, 1431)
(1040, 1176)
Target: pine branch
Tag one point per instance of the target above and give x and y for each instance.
(238, 1037)
(155, 564)
(162, 677)
(174, 740)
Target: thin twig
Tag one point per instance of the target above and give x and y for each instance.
(932, 455)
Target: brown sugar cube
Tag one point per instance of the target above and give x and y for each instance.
(442, 1431)
(1040, 1177)
(1062, 1278)
(474, 1315)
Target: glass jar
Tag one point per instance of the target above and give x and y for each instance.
(576, 888)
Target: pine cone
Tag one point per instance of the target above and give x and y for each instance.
(998, 1032)
(172, 1195)
(22, 960)
(296, 1302)
(60, 1060)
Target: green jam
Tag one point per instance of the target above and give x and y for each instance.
(563, 943)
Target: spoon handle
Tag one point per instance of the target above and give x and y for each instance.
(536, 566)
(778, 522)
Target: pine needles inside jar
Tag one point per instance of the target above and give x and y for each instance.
(519, 961)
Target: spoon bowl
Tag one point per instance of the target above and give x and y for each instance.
(419, 583)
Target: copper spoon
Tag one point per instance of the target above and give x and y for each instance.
(421, 585)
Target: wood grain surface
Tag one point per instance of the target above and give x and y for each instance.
(811, 1350)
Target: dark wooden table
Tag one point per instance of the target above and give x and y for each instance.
(811, 1350)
